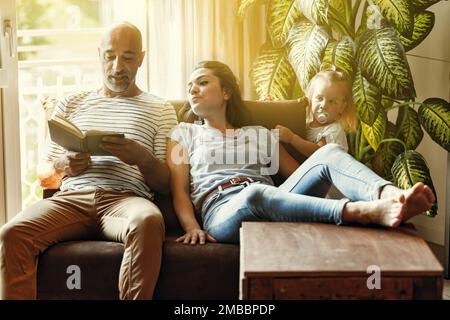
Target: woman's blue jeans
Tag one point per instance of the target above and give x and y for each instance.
(300, 198)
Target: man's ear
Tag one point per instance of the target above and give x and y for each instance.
(141, 58)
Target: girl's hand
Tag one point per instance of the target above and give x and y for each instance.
(191, 237)
(286, 134)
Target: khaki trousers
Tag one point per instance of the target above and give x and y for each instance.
(89, 213)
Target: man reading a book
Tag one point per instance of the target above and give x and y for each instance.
(107, 197)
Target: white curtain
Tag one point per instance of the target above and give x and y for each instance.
(183, 32)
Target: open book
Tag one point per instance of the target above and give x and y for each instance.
(68, 136)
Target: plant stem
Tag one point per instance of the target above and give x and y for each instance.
(355, 12)
(390, 99)
(394, 140)
(410, 103)
(365, 150)
(362, 147)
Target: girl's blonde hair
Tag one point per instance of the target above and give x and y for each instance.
(348, 118)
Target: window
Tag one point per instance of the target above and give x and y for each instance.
(57, 52)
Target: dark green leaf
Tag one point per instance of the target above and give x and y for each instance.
(341, 54)
(434, 115)
(408, 127)
(423, 24)
(423, 4)
(410, 168)
(367, 99)
(386, 154)
(398, 13)
(383, 62)
(386, 103)
(375, 133)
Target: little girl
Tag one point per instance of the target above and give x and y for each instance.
(330, 115)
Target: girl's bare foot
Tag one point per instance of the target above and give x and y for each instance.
(387, 212)
(418, 199)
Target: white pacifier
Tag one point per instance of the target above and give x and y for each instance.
(321, 116)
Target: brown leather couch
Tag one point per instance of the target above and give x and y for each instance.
(187, 272)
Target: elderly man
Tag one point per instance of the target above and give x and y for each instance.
(106, 197)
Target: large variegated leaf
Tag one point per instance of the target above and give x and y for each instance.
(398, 13)
(315, 10)
(387, 153)
(408, 127)
(367, 99)
(297, 92)
(434, 115)
(423, 24)
(410, 168)
(386, 103)
(282, 15)
(339, 6)
(272, 74)
(375, 133)
(383, 62)
(306, 44)
(244, 5)
(423, 4)
(341, 54)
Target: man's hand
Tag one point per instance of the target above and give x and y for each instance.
(72, 163)
(155, 172)
(127, 150)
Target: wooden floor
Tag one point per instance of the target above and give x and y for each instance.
(439, 253)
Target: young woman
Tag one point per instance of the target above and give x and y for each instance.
(214, 190)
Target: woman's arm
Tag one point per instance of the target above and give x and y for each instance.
(178, 162)
(287, 164)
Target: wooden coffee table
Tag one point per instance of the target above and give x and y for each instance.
(322, 261)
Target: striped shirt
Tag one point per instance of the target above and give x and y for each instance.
(144, 118)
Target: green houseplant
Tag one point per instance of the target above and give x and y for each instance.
(368, 41)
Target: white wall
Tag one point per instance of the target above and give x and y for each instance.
(430, 66)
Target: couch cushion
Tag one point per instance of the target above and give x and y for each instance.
(208, 271)
(187, 272)
(289, 113)
(99, 263)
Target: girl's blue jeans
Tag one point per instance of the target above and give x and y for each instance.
(300, 198)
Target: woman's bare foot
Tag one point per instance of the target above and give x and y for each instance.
(387, 212)
(418, 199)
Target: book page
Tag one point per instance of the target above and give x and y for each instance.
(65, 124)
(65, 138)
